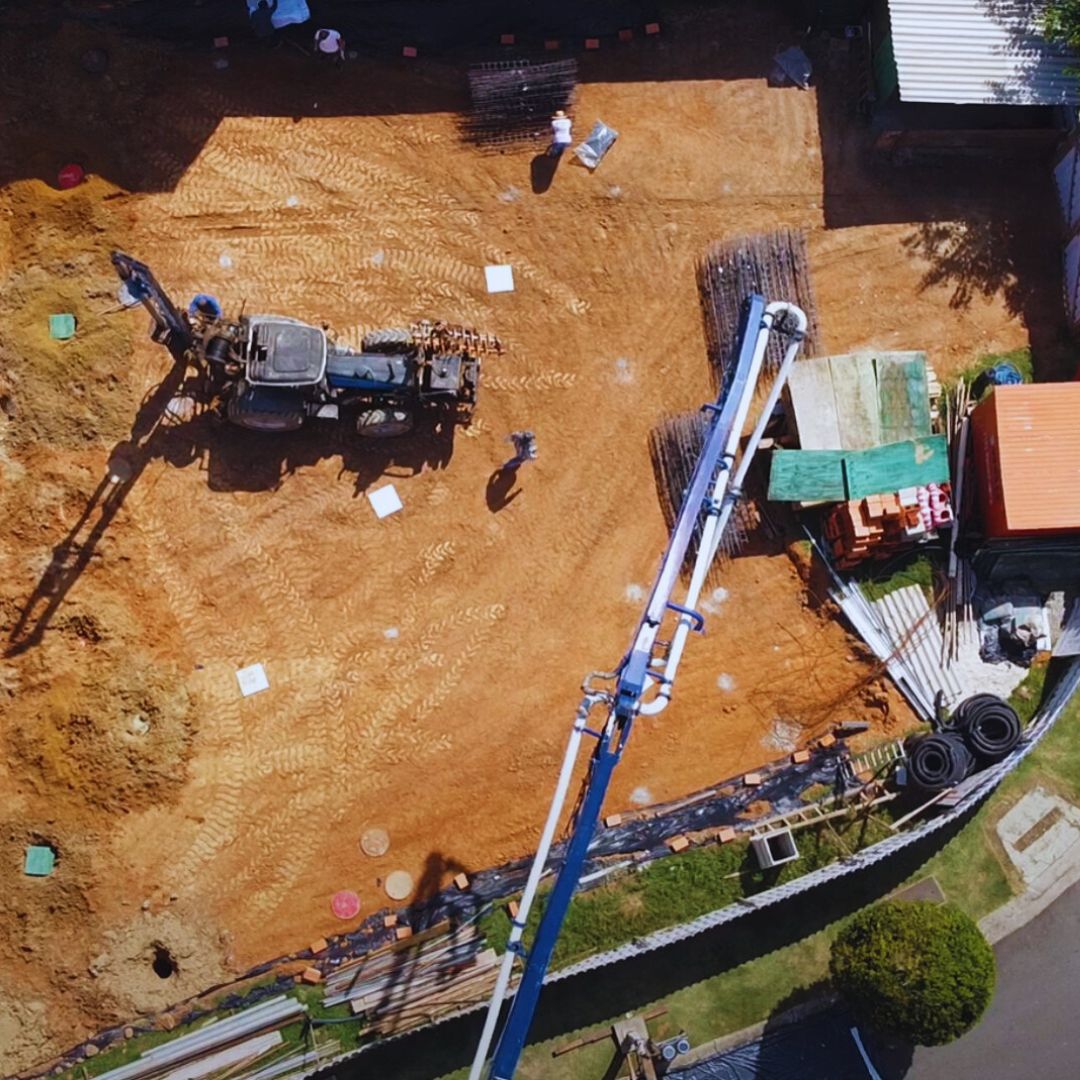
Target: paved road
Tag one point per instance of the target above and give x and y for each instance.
(1032, 1028)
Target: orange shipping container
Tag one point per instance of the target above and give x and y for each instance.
(1026, 444)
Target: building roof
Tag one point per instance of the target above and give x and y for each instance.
(1036, 441)
(979, 52)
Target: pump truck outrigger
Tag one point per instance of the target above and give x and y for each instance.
(273, 372)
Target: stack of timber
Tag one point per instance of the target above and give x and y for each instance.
(413, 982)
(230, 1044)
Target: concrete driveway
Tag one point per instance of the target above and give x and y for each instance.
(1032, 1027)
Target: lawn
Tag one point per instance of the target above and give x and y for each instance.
(679, 888)
(726, 1002)
(911, 568)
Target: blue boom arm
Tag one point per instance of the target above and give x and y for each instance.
(143, 286)
(631, 681)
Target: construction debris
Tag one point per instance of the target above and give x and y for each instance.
(345, 904)
(61, 327)
(385, 501)
(375, 842)
(399, 884)
(599, 141)
(881, 525)
(499, 278)
(229, 1043)
(409, 984)
(39, 861)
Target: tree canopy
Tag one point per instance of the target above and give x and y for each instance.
(918, 970)
(1061, 22)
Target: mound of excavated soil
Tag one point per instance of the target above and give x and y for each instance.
(114, 740)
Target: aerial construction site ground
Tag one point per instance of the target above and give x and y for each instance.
(423, 669)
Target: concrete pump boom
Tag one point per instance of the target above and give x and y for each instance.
(643, 681)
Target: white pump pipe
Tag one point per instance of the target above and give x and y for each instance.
(517, 927)
(713, 530)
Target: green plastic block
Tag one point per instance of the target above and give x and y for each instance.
(62, 327)
(39, 861)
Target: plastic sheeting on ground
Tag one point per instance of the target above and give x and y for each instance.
(818, 1048)
(287, 12)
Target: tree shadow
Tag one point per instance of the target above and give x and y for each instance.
(810, 1033)
(985, 221)
(983, 257)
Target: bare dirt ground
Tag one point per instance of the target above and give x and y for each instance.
(423, 669)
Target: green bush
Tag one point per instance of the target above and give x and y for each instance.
(1061, 22)
(918, 970)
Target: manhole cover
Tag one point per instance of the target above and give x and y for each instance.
(345, 904)
(375, 842)
(399, 884)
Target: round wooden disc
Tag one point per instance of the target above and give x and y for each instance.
(399, 884)
(375, 842)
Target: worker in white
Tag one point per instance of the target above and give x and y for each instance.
(560, 133)
(330, 44)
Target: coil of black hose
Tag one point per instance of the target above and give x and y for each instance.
(990, 726)
(939, 761)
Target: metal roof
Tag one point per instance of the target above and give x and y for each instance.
(979, 52)
(1027, 446)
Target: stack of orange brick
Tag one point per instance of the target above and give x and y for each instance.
(875, 526)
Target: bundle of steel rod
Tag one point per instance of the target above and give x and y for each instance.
(397, 988)
(232, 1043)
(674, 446)
(773, 264)
(513, 100)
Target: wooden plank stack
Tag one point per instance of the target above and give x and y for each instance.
(415, 981)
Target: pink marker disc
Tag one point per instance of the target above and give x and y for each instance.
(345, 904)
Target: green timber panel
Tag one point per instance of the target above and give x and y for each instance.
(882, 469)
(807, 476)
(903, 396)
(810, 391)
(855, 390)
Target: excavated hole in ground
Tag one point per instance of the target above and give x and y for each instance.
(163, 963)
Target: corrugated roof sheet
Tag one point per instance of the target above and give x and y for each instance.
(979, 52)
(1038, 435)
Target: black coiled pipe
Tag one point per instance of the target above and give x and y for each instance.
(989, 726)
(939, 761)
